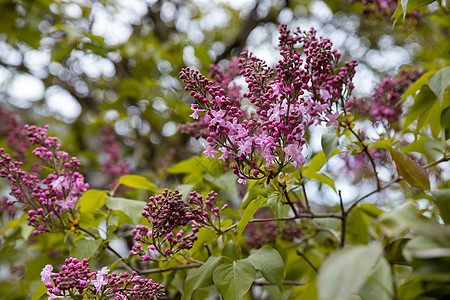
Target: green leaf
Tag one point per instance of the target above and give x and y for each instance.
(201, 277)
(234, 279)
(269, 262)
(407, 6)
(231, 251)
(412, 90)
(408, 217)
(85, 248)
(131, 208)
(379, 285)
(410, 171)
(329, 142)
(225, 182)
(249, 212)
(422, 103)
(304, 292)
(445, 122)
(439, 82)
(137, 182)
(41, 291)
(344, 271)
(91, 200)
(381, 144)
(442, 200)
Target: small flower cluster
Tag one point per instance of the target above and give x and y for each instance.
(260, 234)
(167, 213)
(382, 106)
(75, 278)
(56, 194)
(6, 206)
(384, 9)
(14, 133)
(303, 89)
(224, 80)
(113, 165)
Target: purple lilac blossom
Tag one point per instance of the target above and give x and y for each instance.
(53, 199)
(303, 89)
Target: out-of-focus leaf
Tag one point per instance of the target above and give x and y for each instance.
(249, 212)
(91, 200)
(329, 142)
(442, 200)
(410, 171)
(413, 88)
(344, 271)
(379, 285)
(41, 291)
(131, 208)
(201, 277)
(408, 217)
(445, 122)
(439, 82)
(422, 103)
(304, 292)
(85, 248)
(234, 279)
(137, 182)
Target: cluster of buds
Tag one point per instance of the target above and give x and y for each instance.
(303, 89)
(113, 165)
(75, 278)
(382, 107)
(52, 201)
(6, 206)
(174, 223)
(263, 233)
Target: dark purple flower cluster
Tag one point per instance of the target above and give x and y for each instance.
(75, 278)
(14, 133)
(47, 200)
(7, 207)
(113, 165)
(384, 9)
(263, 233)
(175, 223)
(303, 89)
(383, 106)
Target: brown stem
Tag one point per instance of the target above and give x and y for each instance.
(307, 260)
(366, 150)
(299, 216)
(289, 202)
(159, 270)
(296, 283)
(304, 193)
(343, 220)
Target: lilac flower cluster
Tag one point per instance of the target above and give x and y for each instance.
(384, 9)
(224, 80)
(382, 106)
(175, 223)
(303, 89)
(113, 164)
(51, 201)
(75, 278)
(14, 133)
(6, 206)
(260, 234)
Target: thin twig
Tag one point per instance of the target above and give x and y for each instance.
(299, 253)
(304, 193)
(366, 150)
(330, 231)
(289, 200)
(283, 283)
(299, 216)
(394, 180)
(127, 265)
(343, 221)
(159, 270)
